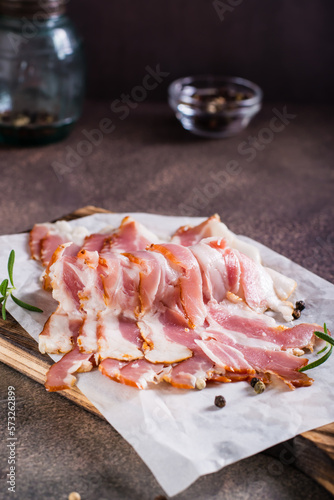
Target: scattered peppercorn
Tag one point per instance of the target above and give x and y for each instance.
(259, 387)
(200, 384)
(296, 313)
(254, 381)
(300, 305)
(220, 401)
(74, 496)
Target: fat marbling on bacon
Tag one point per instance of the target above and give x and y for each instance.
(185, 311)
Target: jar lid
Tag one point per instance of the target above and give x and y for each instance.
(30, 8)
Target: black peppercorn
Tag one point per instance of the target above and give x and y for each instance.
(296, 313)
(220, 401)
(254, 381)
(300, 305)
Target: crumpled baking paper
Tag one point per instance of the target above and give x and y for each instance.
(180, 434)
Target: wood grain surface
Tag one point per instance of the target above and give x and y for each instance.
(314, 450)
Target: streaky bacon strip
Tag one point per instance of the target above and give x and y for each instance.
(95, 242)
(49, 245)
(189, 281)
(256, 327)
(60, 375)
(190, 235)
(129, 237)
(59, 332)
(36, 235)
(150, 278)
(176, 339)
(214, 228)
(118, 338)
(134, 373)
(280, 363)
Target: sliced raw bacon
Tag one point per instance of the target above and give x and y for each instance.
(279, 363)
(61, 375)
(191, 373)
(59, 332)
(190, 235)
(95, 242)
(129, 237)
(187, 312)
(225, 357)
(160, 347)
(258, 288)
(249, 325)
(118, 338)
(168, 339)
(151, 276)
(189, 280)
(45, 238)
(36, 235)
(49, 245)
(213, 227)
(219, 266)
(134, 373)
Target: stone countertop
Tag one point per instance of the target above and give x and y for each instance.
(275, 186)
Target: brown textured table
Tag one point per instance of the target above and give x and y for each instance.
(279, 190)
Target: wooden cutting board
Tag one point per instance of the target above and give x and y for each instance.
(313, 451)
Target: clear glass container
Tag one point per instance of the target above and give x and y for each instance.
(214, 106)
(41, 72)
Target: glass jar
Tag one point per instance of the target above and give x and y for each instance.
(41, 72)
(214, 106)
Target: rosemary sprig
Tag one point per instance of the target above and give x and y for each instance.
(330, 343)
(7, 291)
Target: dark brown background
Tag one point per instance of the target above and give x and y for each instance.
(286, 46)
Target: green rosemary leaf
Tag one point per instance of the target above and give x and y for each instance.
(325, 336)
(318, 362)
(25, 305)
(3, 309)
(322, 350)
(11, 261)
(3, 287)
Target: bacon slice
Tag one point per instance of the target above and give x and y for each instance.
(134, 373)
(95, 242)
(219, 266)
(189, 281)
(129, 237)
(258, 289)
(191, 373)
(246, 324)
(151, 275)
(213, 227)
(225, 357)
(279, 363)
(45, 238)
(59, 332)
(118, 338)
(60, 375)
(159, 348)
(36, 235)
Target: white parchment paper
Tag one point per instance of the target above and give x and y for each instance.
(180, 434)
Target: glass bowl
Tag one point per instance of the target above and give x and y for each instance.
(214, 106)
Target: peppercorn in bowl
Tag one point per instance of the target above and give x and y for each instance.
(214, 106)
